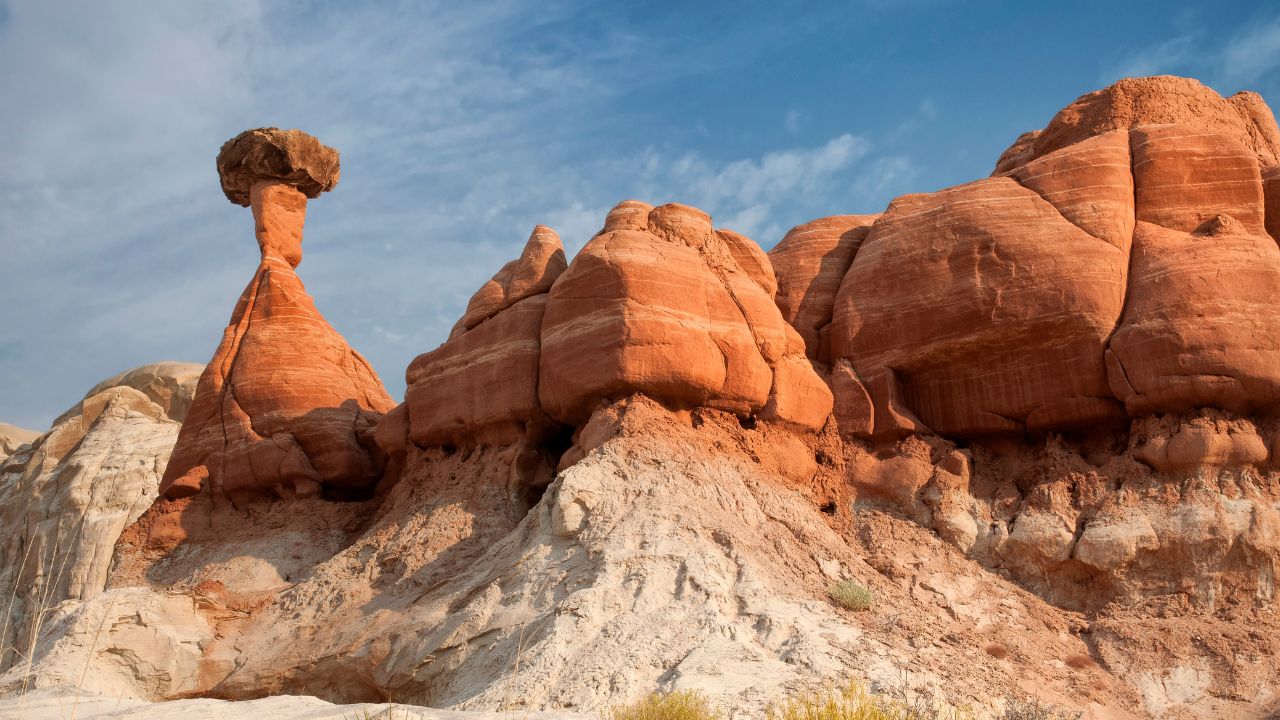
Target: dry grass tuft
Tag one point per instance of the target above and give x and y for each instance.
(681, 705)
(1018, 709)
(852, 595)
(854, 702)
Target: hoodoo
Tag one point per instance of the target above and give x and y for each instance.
(285, 407)
(1036, 417)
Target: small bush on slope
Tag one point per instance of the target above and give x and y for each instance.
(852, 595)
(853, 702)
(682, 705)
(1032, 710)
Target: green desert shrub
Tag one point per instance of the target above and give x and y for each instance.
(681, 705)
(851, 594)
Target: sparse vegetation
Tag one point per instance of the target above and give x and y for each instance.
(390, 712)
(855, 702)
(852, 595)
(1031, 709)
(681, 705)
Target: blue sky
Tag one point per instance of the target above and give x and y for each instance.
(461, 125)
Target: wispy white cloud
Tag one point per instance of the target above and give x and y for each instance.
(746, 194)
(1167, 57)
(1252, 52)
(460, 125)
(1243, 57)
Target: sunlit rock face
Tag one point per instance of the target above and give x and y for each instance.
(285, 407)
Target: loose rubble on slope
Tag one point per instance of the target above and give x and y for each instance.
(1035, 415)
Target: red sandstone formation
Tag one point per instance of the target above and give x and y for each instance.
(285, 406)
(1066, 375)
(1202, 323)
(980, 309)
(659, 303)
(995, 307)
(532, 273)
(810, 262)
(1160, 100)
(482, 385)
(1184, 177)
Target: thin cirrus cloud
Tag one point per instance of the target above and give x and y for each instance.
(460, 127)
(1244, 57)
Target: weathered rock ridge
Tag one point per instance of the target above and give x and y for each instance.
(66, 496)
(1088, 278)
(1036, 414)
(13, 437)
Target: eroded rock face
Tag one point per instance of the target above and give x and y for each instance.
(13, 437)
(981, 309)
(1184, 177)
(538, 266)
(1090, 183)
(994, 307)
(66, 497)
(285, 407)
(658, 303)
(810, 262)
(1202, 323)
(1133, 102)
(678, 544)
(481, 386)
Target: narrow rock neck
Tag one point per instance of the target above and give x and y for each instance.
(279, 212)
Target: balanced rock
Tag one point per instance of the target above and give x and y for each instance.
(285, 406)
(289, 156)
(810, 262)
(482, 385)
(659, 303)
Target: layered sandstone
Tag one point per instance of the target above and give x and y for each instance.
(659, 303)
(810, 262)
(995, 307)
(1160, 100)
(1191, 339)
(285, 407)
(1053, 459)
(538, 266)
(980, 309)
(1184, 177)
(13, 437)
(482, 384)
